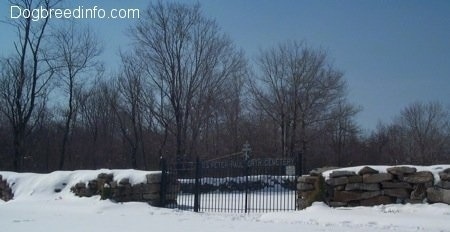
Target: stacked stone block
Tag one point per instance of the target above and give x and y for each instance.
(441, 191)
(310, 190)
(368, 187)
(5, 191)
(124, 191)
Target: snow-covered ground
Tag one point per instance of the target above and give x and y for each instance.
(36, 207)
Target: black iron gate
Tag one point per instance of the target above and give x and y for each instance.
(232, 184)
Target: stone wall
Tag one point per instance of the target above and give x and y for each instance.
(123, 191)
(5, 191)
(368, 187)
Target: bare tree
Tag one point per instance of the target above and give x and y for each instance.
(25, 81)
(419, 135)
(342, 128)
(134, 97)
(188, 60)
(76, 51)
(98, 119)
(271, 91)
(386, 144)
(427, 127)
(228, 116)
(299, 90)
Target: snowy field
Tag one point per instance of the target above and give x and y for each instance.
(75, 215)
(36, 208)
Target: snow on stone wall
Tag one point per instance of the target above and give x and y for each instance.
(123, 190)
(116, 185)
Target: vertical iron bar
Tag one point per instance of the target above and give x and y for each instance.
(276, 198)
(235, 197)
(197, 186)
(261, 195)
(298, 173)
(300, 163)
(269, 193)
(229, 197)
(274, 195)
(221, 179)
(246, 184)
(281, 189)
(266, 193)
(208, 196)
(215, 197)
(261, 177)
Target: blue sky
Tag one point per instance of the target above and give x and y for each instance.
(392, 53)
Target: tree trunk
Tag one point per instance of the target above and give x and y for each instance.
(17, 151)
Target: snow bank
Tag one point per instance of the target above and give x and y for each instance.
(408, 217)
(37, 207)
(90, 214)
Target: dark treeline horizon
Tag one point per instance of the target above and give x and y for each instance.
(183, 91)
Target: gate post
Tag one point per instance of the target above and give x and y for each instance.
(197, 185)
(163, 192)
(299, 164)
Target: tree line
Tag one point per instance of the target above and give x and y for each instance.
(185, 90)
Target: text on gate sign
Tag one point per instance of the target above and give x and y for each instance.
(258, 162)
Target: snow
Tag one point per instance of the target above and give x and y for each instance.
(37, 207)
(379, 218)
(435, 169)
